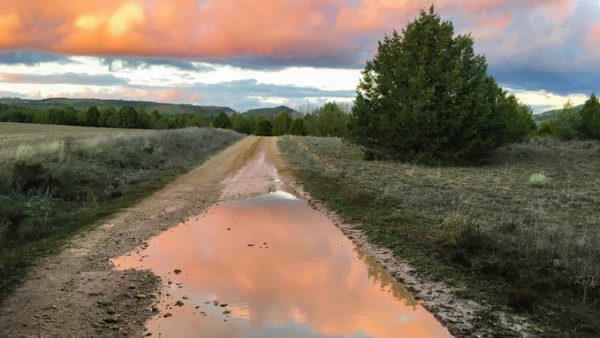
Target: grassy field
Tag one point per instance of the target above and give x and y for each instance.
(520, 231)
(14, 135)
(55, 180)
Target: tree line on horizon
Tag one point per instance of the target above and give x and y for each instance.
(330, 120)
(125, 117)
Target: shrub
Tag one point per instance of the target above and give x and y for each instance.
(29, 177)
(426, 95)
(539, 180)
(548, 128)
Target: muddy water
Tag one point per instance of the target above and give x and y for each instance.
(271, 266)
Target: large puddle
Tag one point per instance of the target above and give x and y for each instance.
(271, 266)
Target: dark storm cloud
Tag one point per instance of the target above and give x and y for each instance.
(556, 82)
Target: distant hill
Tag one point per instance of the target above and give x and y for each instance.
(272, 112)
(549, 115)
(84, 104)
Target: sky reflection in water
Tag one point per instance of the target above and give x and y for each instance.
(283, 269)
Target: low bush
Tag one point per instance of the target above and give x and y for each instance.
(539, 180)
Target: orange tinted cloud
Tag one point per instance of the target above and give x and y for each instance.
(11, 77)
(166, 27)
(594, 34)
(299, 29)
(10, 24)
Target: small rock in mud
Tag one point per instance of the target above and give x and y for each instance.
(167, 315)
(177, 271)
(179, 303)
(250, 244)
(226, 312)
(228, 229)
(223, 305)
(141, 296)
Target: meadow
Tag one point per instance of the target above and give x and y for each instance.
(519, 231)
(56, 180)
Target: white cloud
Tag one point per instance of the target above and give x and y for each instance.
(546, 100)
(276, 101)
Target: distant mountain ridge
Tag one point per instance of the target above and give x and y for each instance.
(149, 106)
(550, 114)
(272, 112)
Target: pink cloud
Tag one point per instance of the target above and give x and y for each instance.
(287, 29)
(594, 34)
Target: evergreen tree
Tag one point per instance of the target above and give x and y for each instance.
(263, 127)
(515, 119)
(297, 127)
(426, 95)
(241, 123)
(198, 120)
(311, 123)
(590, 118)
(567, 123)
(332, 121)
(222, 121)
(127, 118)
(91, 116)
(70, 116)
(281, 123)
(106, 115)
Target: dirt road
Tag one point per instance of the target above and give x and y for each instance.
(77, 293)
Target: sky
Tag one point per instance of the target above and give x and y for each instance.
(301, 53)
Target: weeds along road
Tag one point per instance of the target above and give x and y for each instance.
(77, 293)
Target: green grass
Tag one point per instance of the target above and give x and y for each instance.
(485, 229)
(57, 180)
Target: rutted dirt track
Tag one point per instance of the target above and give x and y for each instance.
(78, 293)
